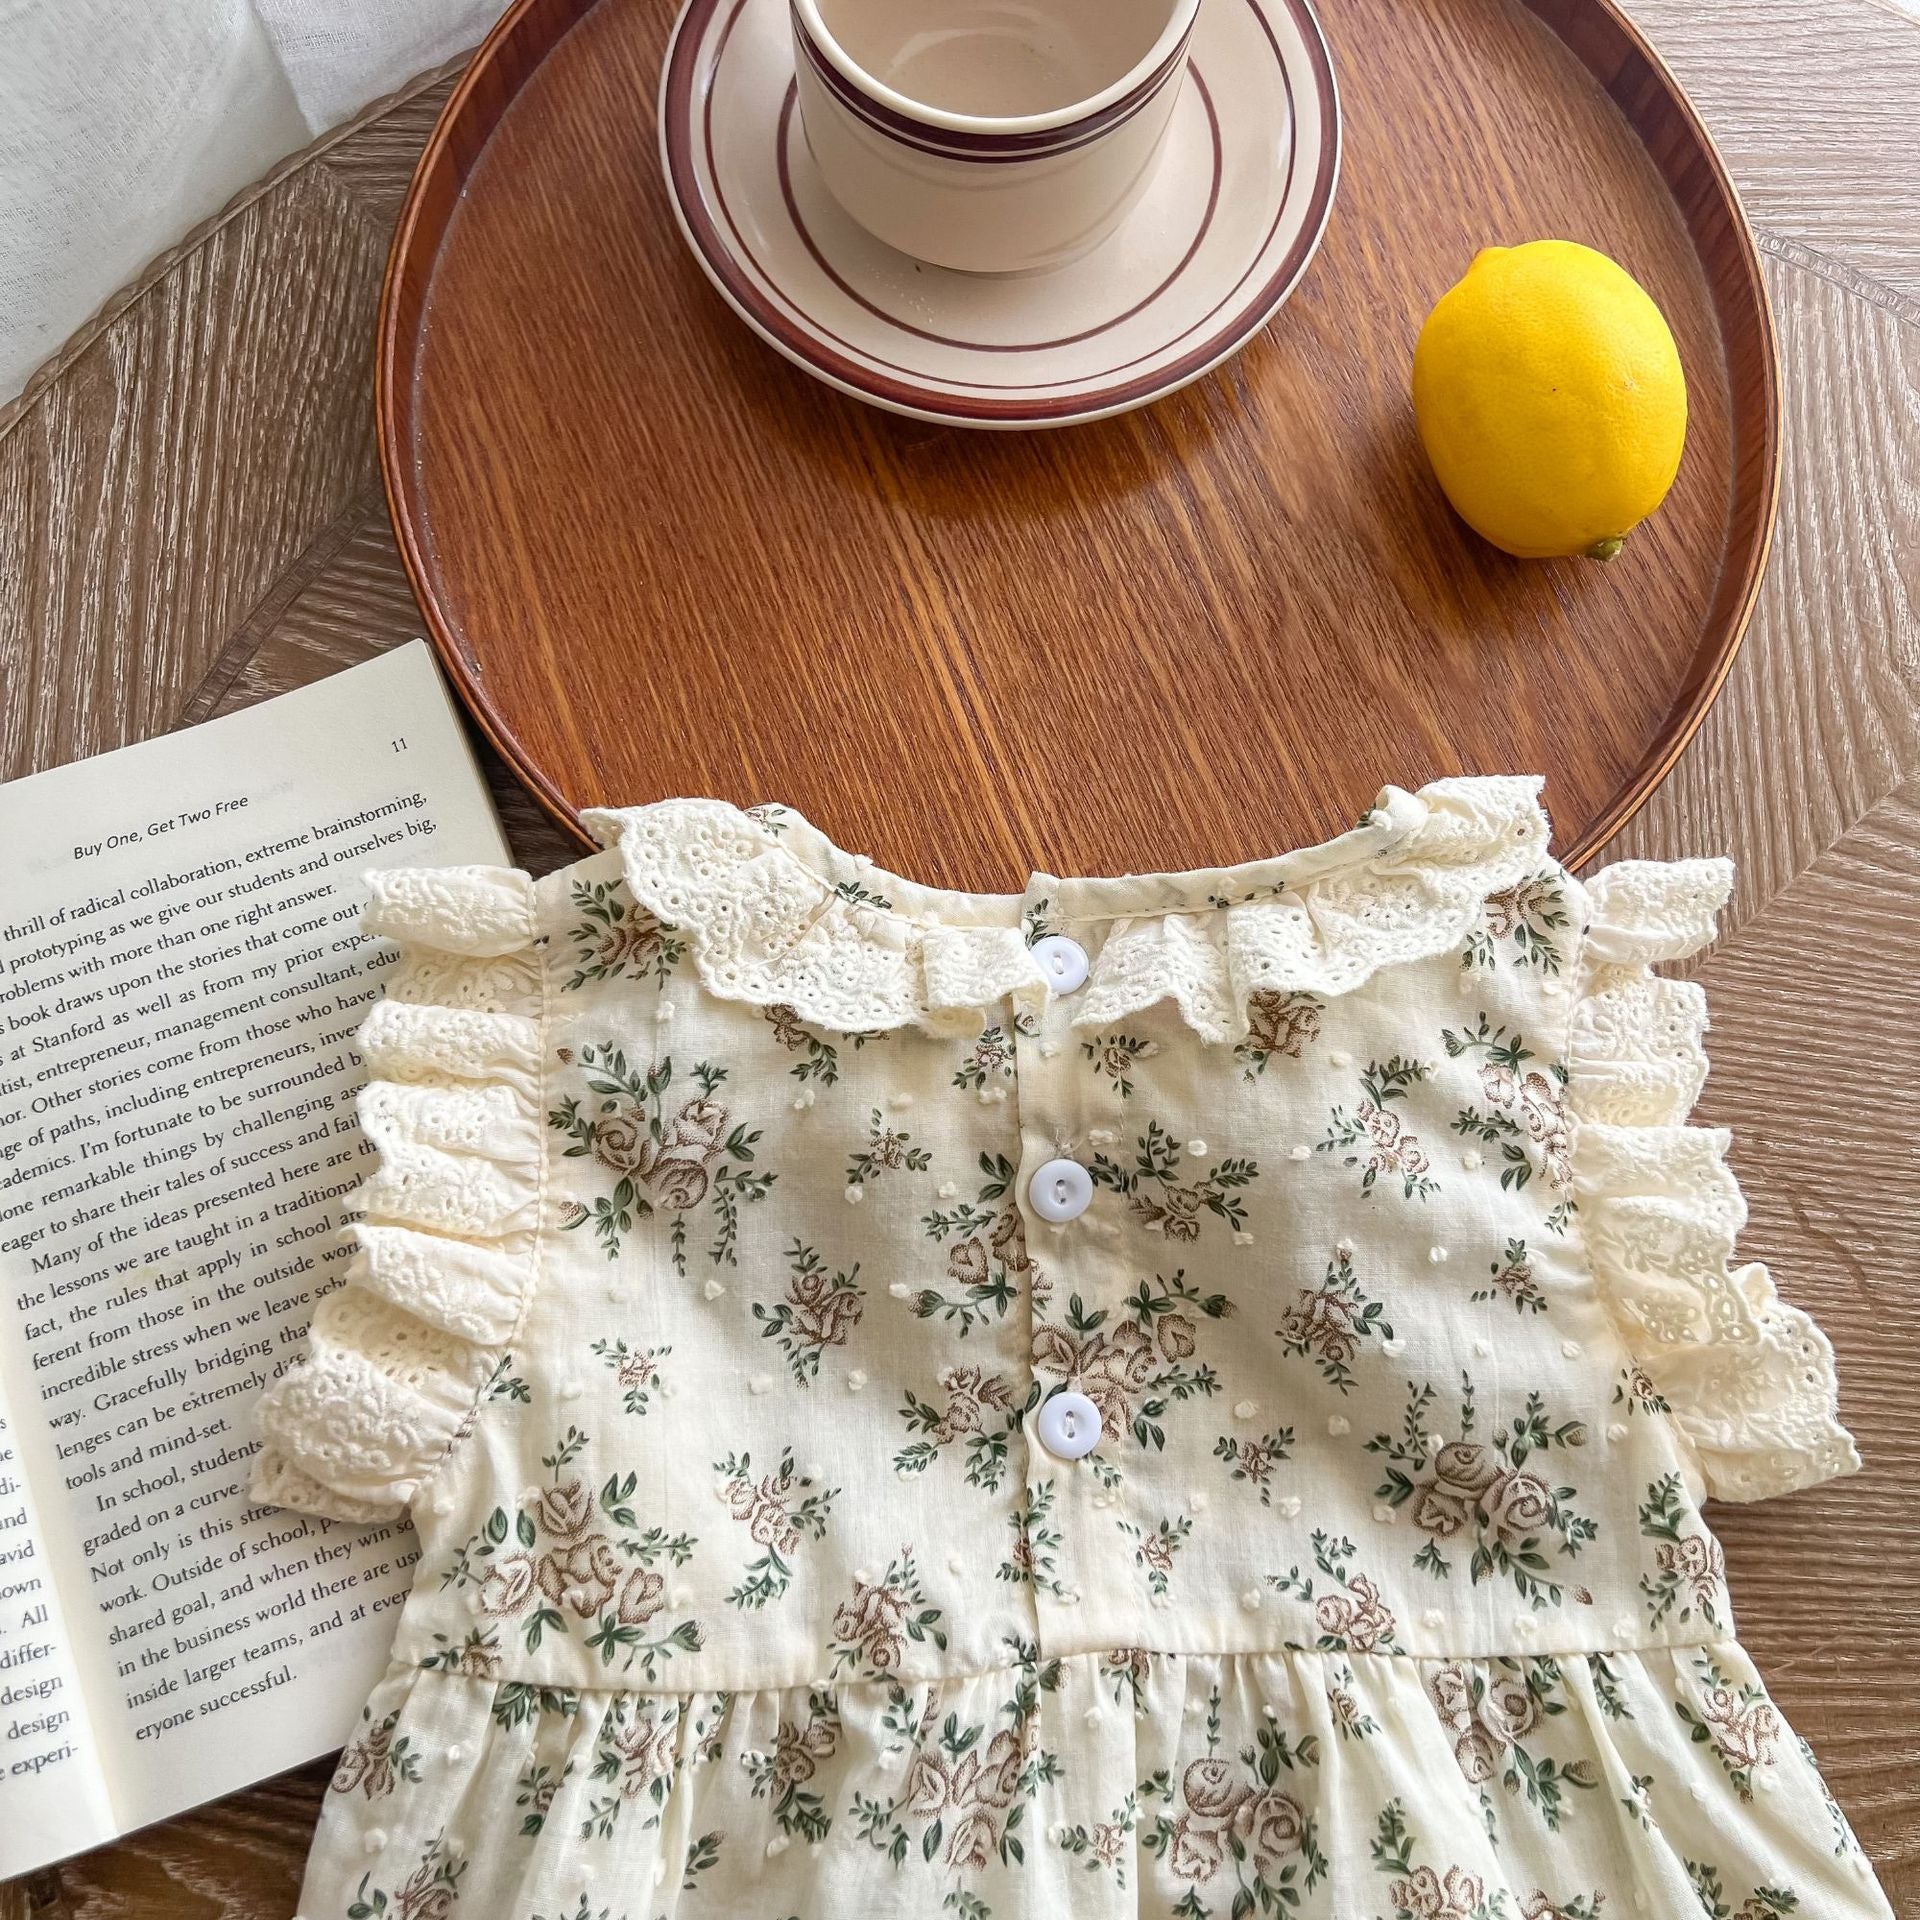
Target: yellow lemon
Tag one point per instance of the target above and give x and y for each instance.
(1549, 397)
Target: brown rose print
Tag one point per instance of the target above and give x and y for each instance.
(778, 1510)
(1689, 1571)
(1156, 1548)
(661, 1161)
(820, 1061)
(821, 1310)
(1351, 1720)
(1490, 1710)
(1525, 1113)
(1454, 1895)
(1165, 1194)
(1233, 1820)
(1375, 1139)
(614, 938)
(1126, 1671)
(981, 1413)
(638, 1753)
(1735, 1720)
(535, 1792)
(969, 1792)
(1524, 916)
(1255, 1457)
(1134, 1368)
(1116, 1057)
(1328, 1324)
(567, 1558)
(989, 1062)
(1538, 1906)
(1511, 1278)
(636, 1368)
(375, 1762)
(1420, 1892)
(968, 1783)
(802, 1747)
(888, 1150)
(476, 1655)
(1106, 1845)
(987, 1256)
(1764, 1903)
(872, 1628)
(1479, 1495)
(1349, 1614)
(430, 1892)
(1279, 1026)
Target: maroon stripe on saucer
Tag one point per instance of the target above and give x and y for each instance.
(948, 143)
(686, 114)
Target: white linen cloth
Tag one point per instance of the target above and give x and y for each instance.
(124, 122)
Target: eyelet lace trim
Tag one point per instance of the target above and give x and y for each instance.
(1749, 1379)
(766, 928)
(1418, 895)
(444, 1249)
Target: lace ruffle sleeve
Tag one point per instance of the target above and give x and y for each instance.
(1748, 1379)
(443, 1250)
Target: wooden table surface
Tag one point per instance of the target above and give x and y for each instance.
(190, 518)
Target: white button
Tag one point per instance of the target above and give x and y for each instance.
(1069, 1425)
(1063, 961)
(1061, 1190)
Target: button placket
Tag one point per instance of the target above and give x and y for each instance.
(1072, 1249)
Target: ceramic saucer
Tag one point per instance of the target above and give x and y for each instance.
(1228, 223)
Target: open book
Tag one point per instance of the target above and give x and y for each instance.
(181, 975)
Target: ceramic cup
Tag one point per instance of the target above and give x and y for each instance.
(995, 136)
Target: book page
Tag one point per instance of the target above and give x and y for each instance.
(51, 1787)
(181, 975)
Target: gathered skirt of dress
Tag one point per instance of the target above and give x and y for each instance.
(1347, 1786)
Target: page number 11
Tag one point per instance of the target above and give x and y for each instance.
(399, 745)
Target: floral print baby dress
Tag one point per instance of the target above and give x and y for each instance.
(1173, 1396)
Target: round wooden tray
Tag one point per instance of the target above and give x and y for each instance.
(658, 559)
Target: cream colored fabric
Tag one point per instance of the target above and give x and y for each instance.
(702, 1314)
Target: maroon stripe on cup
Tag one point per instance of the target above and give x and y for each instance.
(783, 143)
(949, 143)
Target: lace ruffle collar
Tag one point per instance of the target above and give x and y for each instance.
(777, 914)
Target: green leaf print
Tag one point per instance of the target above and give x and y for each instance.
(1689, 1570)
(986, 1252)
(1523, 918)
(1525, 1113)
(1512, 1279)
(1485, 1496)
(613, 938)
(661, 1161)
(820, 1311)
(1279, 1027)
(779, 1511)
(1162, 1193)
(1373, 1136)
(1115, 1057)
(1330, 1323)
(1349, 1614)
(637, 1369)
(888, 1149)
